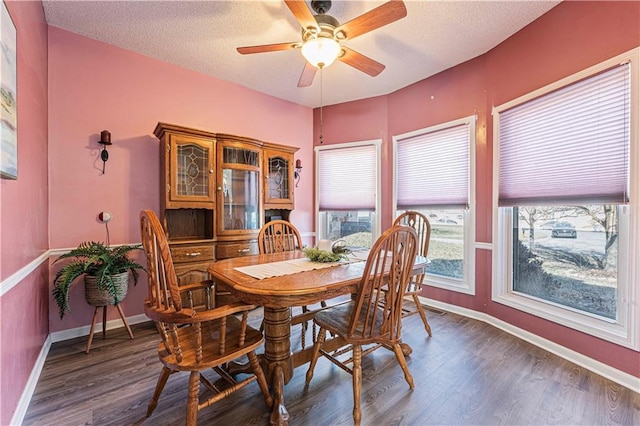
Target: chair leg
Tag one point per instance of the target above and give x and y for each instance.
(403, 363)
(192, 398)
(162, 380)
(262, 381)
(316, 353)
(357, 383)
(93, 325)
(422, 314)
(124, 320)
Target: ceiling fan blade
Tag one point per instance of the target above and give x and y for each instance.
(302, 14)
(268, 48)
(308, 73)
(361, 62)
(380, 16)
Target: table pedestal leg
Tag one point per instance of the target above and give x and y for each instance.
(279, 415)
(277, 360)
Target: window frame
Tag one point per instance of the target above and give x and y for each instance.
(467, 284)
(625, 330)
(376, 225)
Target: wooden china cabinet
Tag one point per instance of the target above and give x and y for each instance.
(217, 192)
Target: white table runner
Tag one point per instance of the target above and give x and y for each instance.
(287, 267)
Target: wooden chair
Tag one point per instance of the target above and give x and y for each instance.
(421, 224)
(278, 236)
(194, 341)
(373, 316)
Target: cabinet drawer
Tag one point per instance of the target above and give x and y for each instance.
(193, 253)
(226, 251)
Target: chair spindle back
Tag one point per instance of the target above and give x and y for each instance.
(278, 236)
(421, 224)
(163, 283)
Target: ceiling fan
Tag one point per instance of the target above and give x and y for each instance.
(322, 36)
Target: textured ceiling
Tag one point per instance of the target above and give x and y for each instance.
(203, 36)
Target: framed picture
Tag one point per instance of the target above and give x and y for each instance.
(8, 98)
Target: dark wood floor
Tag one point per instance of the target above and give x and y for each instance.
(468, 373)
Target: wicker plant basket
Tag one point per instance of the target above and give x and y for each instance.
(97, 297)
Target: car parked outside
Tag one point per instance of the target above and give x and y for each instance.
(447, 221)
(563, 229)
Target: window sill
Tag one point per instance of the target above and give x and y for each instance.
(592, 325)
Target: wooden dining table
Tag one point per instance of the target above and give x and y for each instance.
(278, 294)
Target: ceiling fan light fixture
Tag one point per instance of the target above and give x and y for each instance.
(321, 51)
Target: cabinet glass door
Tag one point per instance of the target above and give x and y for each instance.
(278, 178)
(193, 170)
(278, 166)
(240, 199)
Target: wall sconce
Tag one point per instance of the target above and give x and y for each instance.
(296, 173)
(105, 139)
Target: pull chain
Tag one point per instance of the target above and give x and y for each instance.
(321, 106)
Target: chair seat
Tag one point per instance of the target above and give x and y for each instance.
(310, 311)
(211, 355)
(338, 318)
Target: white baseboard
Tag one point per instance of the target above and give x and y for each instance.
(59, 336)
(27, 393)
(604, 370)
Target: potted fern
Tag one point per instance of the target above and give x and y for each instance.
(106, 274)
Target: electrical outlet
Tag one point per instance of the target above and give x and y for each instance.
(105, 216)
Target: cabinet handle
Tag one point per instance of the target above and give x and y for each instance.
(210, 171)
(246, 250)
(194, 254)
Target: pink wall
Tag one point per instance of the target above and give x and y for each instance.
(24, 214)
(340, 128)
(96, 86)
(569, 38)
(28, 195)
(574, 36)
(90, 86)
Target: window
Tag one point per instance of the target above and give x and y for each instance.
(347, 192)
(568, 255)
(433, 175)
(567, 221)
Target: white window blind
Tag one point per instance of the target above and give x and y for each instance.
(433, 169)
(347, 178)
(568, 146)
